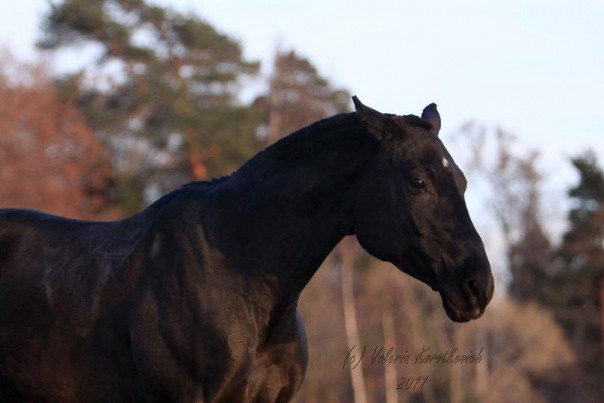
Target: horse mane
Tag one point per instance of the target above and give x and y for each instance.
(414, 120)
(209, 182)
(193, 185)
(314, 136)
(288, 148)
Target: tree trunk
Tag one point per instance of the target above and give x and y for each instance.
(602, 324)
(456, 386)
(414, 320)
(348, 253)
(482, 368)
(389, 341)
(275, 105)
(195, 155)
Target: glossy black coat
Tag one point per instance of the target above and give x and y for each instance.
(194, 299)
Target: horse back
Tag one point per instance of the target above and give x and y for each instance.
(56, 279)
(34, 243)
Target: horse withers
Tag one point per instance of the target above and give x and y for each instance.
(195, 298)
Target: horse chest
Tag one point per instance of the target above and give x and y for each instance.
(277, 369)
(215, 350)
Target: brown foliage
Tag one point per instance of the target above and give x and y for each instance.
(50, 159)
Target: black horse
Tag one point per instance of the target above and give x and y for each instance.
(194, 299)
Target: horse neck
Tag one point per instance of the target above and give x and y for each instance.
(286, 209)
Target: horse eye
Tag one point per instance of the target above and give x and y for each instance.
(418, 183)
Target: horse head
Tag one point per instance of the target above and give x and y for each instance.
(411, 211)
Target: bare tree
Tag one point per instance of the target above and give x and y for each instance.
(389, 342)
(348, 250)
(515, 200)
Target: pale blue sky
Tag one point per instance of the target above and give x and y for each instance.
(533, 67)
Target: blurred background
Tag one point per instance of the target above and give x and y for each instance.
(107, 104)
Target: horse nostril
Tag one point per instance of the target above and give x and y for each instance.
(472, 291)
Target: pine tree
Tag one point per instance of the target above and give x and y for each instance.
(577, 290)
(299, 95)
(163, 89)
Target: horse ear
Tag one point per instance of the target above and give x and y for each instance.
(374, 120)
(431, 115)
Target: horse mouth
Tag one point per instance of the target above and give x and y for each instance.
(457, 314)
(454, 310)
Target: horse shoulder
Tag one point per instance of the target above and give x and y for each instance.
(173, 325)
(197, 326)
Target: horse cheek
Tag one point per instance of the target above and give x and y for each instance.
(374, 228)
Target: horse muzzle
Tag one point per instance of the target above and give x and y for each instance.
(468, 297)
